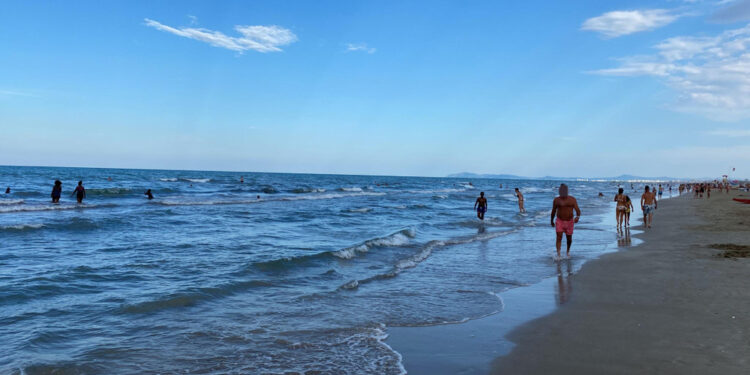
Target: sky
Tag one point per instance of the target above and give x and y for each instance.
(426, 88)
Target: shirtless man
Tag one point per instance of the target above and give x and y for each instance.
(520, 201)
(481, 206)
(621, 207)
(563, 206)
(648, 205)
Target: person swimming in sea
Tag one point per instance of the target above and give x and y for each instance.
(56, 191)
(481, 206)
(7, 191)
(79, 192)
(148, 194)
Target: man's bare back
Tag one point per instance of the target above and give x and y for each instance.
(648, 198)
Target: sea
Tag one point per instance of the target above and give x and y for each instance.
(279, 274)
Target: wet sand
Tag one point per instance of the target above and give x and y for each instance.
(677, 304)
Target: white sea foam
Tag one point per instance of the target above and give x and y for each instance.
(22, 226)
(399, 238)
(50, 207)
(331, 196)
(198, 180)
(211, 202)
(8, 202)
(172, 179)
(436, 191)
(359, 210)
(351, 189)
(425, 253)
(534, 189)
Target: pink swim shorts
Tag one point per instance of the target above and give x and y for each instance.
(564, 226)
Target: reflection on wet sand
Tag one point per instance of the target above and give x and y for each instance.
(623, 237)
(564, 285)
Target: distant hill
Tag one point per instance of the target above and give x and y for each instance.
(624, 177)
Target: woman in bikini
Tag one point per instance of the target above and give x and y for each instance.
(620, 198)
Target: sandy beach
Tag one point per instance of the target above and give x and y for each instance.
(673, 305)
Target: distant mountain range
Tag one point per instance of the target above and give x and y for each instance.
(624, 177)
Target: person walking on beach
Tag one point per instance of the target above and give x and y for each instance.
(648, 205)
(56, 191)
(661, 191)
(79, 192)
(628, 209)
(481, 206)
(562, 218)
(621, 206)
(521, 209)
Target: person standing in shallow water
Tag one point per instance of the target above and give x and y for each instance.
(148, 194)
(481, 206)
(79, 192)
(56, 191)
(562, 218)
(519, 195)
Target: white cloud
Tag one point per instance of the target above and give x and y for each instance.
(711, 74)
(624, 22)
(360, 47)
(256, 38)
(732, 133)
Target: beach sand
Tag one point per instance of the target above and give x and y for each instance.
(677, 304)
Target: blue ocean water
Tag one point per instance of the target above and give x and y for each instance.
(282, 273)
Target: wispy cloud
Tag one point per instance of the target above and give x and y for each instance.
(624, 22)
(732, 133)
(711, 74)
(736, 10)
(256, 38)
(351, 47)
(15, 93)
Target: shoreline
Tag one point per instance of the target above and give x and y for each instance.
(534, 332)
(667, 306)
(470, 346)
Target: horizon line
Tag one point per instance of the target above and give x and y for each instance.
(478, 175)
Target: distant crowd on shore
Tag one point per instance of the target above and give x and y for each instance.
(564, 205)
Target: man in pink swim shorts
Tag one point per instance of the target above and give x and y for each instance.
(563, 207)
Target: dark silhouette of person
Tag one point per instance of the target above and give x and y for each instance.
(148, 193)
(79, 192)
(56, 191)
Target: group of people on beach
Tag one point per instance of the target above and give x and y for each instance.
(561, 218)
(704, 188)
(649, 204)
(564, 206)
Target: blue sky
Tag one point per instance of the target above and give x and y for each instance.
(599, 88)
